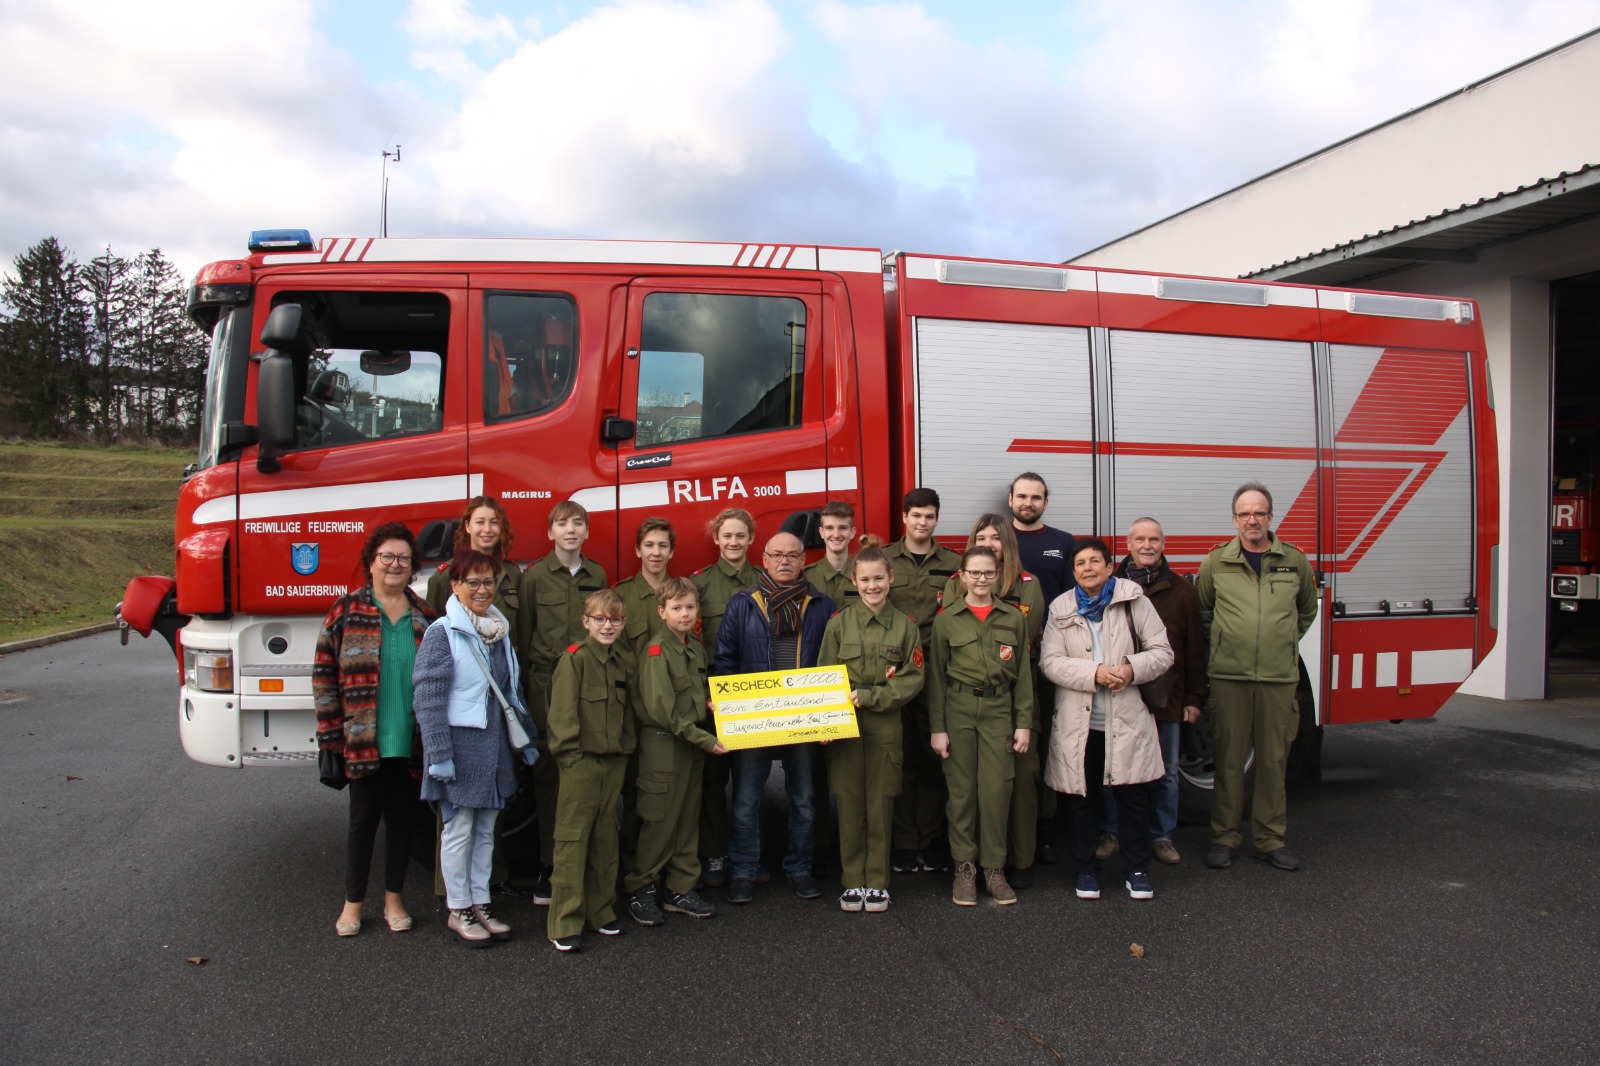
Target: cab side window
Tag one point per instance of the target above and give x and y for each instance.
(369, 365)
(715, 365)
(529, 353)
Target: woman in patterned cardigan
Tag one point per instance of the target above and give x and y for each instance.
(361, 683)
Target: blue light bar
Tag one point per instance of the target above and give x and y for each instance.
(281, 240)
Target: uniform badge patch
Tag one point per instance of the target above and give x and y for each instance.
(916, 658)
(1023, 608)
(888, 674)
(655, 649)
(1005, 653)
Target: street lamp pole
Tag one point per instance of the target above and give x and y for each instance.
(383, 210)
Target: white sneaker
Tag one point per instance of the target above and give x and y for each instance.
(877, 900)
(853, 899)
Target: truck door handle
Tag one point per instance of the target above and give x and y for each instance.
(615, 430)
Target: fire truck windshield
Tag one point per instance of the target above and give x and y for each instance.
(225, 381)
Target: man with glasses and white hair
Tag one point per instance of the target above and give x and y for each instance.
(1258, 597)
(776, 624)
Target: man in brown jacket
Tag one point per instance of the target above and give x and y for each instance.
(1174, 600)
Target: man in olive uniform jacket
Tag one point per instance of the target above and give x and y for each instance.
(921, 567)
(551, 619)
(1258, 597)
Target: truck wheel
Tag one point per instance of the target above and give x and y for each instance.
(1305, 754)
(1197, 768)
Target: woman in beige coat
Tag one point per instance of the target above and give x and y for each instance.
(1103, 735)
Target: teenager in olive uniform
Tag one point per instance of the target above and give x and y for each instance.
(550, 618)
(732, 530)
(591, 734)
(672, 696)
(483, 527)
(830, 575)
(921, 568)
(882, 650)
(654, 544)
(1021, 590)
(980, 703)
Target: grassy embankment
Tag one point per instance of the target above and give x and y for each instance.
(76, 522)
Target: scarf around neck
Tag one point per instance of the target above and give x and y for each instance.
(1094, 607)
(783, 604)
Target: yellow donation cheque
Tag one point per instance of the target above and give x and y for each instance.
(783, 707)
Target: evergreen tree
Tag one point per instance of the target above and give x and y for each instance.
(108, 286)
(44, 339)
(167, 353)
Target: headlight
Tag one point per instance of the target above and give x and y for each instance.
(208, 671)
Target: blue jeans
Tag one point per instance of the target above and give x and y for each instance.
(1163, 791)
(750, 770)
(466, 852)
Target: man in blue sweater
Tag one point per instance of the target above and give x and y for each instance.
(776, 624)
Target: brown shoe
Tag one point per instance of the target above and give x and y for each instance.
(1165, 852)
(965, 891)
(1107, 846)
(995, 881)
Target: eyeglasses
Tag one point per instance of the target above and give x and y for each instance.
(391, 559)
(786, 557)
(982, 575)
(603, 620)
(477, 583)
(1259, 516)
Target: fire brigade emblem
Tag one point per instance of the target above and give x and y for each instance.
(1005, 653)
(888, 673)
(304, 557)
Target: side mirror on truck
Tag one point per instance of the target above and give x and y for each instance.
(275, 387)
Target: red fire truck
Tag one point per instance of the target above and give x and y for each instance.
(358, 381)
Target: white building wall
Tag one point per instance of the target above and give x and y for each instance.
(1535, 121)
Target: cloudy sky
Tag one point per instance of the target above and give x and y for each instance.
(1034, 130)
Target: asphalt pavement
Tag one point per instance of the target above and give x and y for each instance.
(1445, 914)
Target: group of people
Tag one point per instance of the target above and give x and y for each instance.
(1030, 677)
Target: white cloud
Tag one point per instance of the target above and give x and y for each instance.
(443, 30)
(166, 124)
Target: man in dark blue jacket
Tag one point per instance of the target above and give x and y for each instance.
(776, 624)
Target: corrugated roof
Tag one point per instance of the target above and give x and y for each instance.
(1454, 235)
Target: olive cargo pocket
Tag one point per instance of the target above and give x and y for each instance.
(655, 789)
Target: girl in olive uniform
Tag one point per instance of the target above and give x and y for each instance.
(591, 734)
(1021, 590)
(881, 648)
(671, 699)
(980, 710)
(732, 530)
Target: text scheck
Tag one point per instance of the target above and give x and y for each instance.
(294, 526)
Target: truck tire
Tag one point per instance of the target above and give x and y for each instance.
(1305, 754)
(1197, 772)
